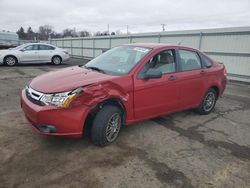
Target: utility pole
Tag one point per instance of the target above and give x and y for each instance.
(163, 27)
(127, 29)
(108, 29)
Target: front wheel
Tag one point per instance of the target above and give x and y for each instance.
(106, 125)
(10, 60)
(208, 102)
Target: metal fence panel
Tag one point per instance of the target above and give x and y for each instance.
(88, 53)
(76, 52)
(64, 43)
(119, 41)
(228, 45)
(87, 43)
(77, 43)
(235, 64)
(191, 41)
(102, 43)
(145, 39)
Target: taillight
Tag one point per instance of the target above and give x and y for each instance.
(225, 72)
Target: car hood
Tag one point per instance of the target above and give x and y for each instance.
(67, 79)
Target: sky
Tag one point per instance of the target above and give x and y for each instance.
(138, 15)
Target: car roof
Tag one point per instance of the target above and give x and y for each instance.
(156, 45)
(38, 43)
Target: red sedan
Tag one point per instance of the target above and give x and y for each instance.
(126, 84)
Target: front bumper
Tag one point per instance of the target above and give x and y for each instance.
(67, 122)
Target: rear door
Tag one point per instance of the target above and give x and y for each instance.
(46, 52)
(30, 54)
(192, 78)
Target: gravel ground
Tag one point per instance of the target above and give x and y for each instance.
(180, 150)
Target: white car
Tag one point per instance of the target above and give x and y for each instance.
(33, 53)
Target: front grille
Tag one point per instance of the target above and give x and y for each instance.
(34, 96)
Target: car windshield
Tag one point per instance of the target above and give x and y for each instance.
(19, 47)
(118, 61)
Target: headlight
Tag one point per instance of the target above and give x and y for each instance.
(61, 99)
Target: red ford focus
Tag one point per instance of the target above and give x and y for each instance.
(126, 84)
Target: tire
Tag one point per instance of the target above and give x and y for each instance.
(56, 60)
(10, 60)
(106, 125)
(208, 102)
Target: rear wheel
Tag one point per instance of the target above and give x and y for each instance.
(106, 125)
(208, 102)
(10, 60)
(56, 60)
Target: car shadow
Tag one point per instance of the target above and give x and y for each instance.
(36, 65)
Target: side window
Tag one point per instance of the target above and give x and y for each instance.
(27, 48)
(207, 62)
(51, 48)
(45, 47)
(31, 47)
(189, 60)
(42, 47)
(163, 61)
(35, 47)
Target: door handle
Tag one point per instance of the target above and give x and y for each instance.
(172, 78)
(203, 72)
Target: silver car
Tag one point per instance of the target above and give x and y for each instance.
(33, 53)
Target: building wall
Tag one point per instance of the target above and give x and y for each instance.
(9, 36)
(8, 39)
(228, 45)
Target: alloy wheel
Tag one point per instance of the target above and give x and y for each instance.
(113, 127)
(10, 61)
(209, 101)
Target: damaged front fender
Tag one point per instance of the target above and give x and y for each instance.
(96, 93)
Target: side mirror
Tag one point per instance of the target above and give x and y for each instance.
(151, 74)
(22, 50)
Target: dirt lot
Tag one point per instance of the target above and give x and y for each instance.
(180, 150)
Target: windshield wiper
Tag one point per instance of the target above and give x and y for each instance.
(95, 68)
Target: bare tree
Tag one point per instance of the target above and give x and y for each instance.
(30, 35)
(99, 33)
(21, 33)
(56, 35)
(44, 32)
(118, 32)
(70, 33)
(84, 33)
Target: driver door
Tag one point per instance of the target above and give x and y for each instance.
(30, 53)
(153, 97)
